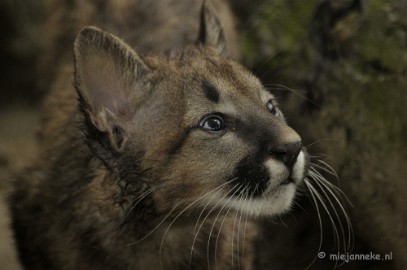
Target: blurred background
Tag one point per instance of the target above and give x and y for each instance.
(339, 69)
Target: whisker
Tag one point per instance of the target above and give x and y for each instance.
(213, 225)
(203, 210)
(335, 212)
(223, 221)
(291, 90)
(308, 184)
(133, 204)
(244, 200)
(320, 141)
(138, 199)
(336, 232)
(332, 186)
(245, 228)
(325, 167)
(322, 184)
(262, 66)
(233, 230)
(156, 227)
(183, 211)
(296, 204)
(234, 226)
(330, 190)
(202, 223)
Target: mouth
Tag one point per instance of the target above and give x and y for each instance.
(272, 201)
(297, 173)
(287, 181)
(271, 186)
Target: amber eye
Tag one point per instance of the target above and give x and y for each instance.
(272, 108)
(213, 123)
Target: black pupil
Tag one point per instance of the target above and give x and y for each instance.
(213, 123)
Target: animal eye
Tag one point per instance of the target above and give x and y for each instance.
(272, 108)
(213, 123)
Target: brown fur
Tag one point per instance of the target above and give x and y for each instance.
(125, 177)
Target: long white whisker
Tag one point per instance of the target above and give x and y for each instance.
(308, 184)
(156, 227)
(329, 168)
(332, 186)
(138, 199)
(323, 168)
(318, 195)
(196, 229)
(202, 223)
(294, 91)
(199, 228)
(203, 210)
(321, 186)
(234, 226)
(183, 211)
(213, 225)
(320, 179)
(244, 233)
(244, 200)
(221, 225)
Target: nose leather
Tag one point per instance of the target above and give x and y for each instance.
(286, 152)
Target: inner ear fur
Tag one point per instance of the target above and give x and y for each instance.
(211, 31)
(107, 75)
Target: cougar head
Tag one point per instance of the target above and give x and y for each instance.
(194, 130)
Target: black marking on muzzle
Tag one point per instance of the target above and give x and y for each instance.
(251, 176)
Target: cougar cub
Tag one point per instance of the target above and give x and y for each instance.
(157, 161)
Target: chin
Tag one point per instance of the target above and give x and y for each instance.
(274, 202)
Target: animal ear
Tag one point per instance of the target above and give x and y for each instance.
(211, 31)
(107, 75)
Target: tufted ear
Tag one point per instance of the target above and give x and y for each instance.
(108, 74)
(211, 32)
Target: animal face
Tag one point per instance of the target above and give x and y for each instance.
(200, 127)
(230, 142)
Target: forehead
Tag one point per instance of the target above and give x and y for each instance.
(215, 81)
